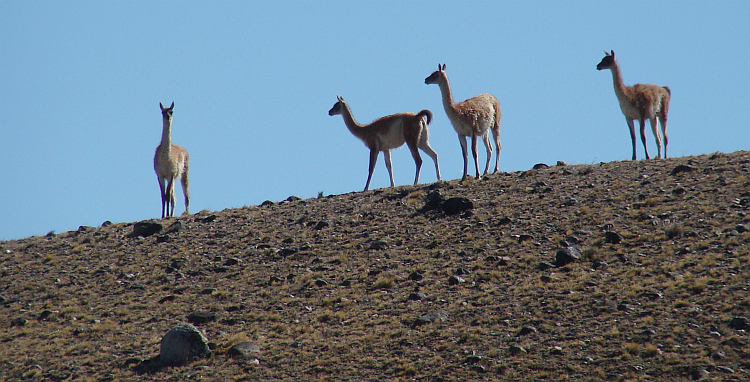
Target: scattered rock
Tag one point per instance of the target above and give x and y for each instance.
(430, 317)
(455, 280)
(206, 219)
(526, 329)
(540, 166)
(243, 349)
(567, 255)
(146, 228)
(454, 206)
(417, 296)
(561, 163)
(322, 224)
(183, 344)
(415, 276)
(293, 198)
(198, 318)
(174, 227)
(738, 323)
(682, 169)
(516, 349)
(379, 244)
(544, 265)
(612, 237)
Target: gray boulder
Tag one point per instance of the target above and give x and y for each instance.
(183, 344)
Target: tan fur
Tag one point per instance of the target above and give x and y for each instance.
(640, 102)
(388, 133)
(473, 118)
(170, 163)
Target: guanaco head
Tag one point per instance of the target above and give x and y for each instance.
(166, 112)
(338, 107)
(608, 61)
(436, 76)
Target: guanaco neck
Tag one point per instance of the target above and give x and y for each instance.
(617, 79)
(445, 91)
(166, 135)
(354, 127)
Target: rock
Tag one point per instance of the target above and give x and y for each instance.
(174, 227)
(612, 237)
(455, 280)
(293, 198)
(567, 255)
(738, 323)
(526, 329)
(322, 224)
(321, 282)
(561, 163)
(378, 244)
(417, 296)
(288, 251)
(454, 206)
(430, 317)
(206, 219)
(517, 349)
(415, 276)
(198, 318)
(472, 359)
(267, 203)
(544, 265)
(433, 201)
(540, 166)
(243, 349)
(146, 228)
(183, 344)
(681, 169)
(19, 322)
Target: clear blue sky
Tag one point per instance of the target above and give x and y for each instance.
(252, 82)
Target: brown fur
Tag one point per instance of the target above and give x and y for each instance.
(641, 102)
(170, 163)
(388, 133)
(473, 117)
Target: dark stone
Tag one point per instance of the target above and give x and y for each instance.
(472, 359)
(526, 329)
(206, 219)
(433, 201)
(146, 228)
(198, 318)
(612, 237)
(322, 224)
(567, 255)
(415, 276)
(266, 203)
(379, 244)
(430, 317)
(321, 283)
(455, 280)
(182, 344)
(540, 166)
(417, 296)
(232, 261)
(243, 349)
(738, 323)
(288, 251)
(454, 206)
(544, 265)
(682, 168)
(516, 349)
(347, 282)
(293, 198)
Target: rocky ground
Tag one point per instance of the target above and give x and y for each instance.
(633, 270)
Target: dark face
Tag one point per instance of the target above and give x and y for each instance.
(166, 113)
(336, 109)
(606, 63)
(433, 78)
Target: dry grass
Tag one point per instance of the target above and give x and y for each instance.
(325, 285)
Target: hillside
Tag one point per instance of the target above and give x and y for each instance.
(633, 270)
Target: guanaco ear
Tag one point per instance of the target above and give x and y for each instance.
(160, 106)
(613, 53)
(338, 97)
(443, 67)
(172, 107)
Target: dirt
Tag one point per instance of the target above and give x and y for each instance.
(633, 270)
